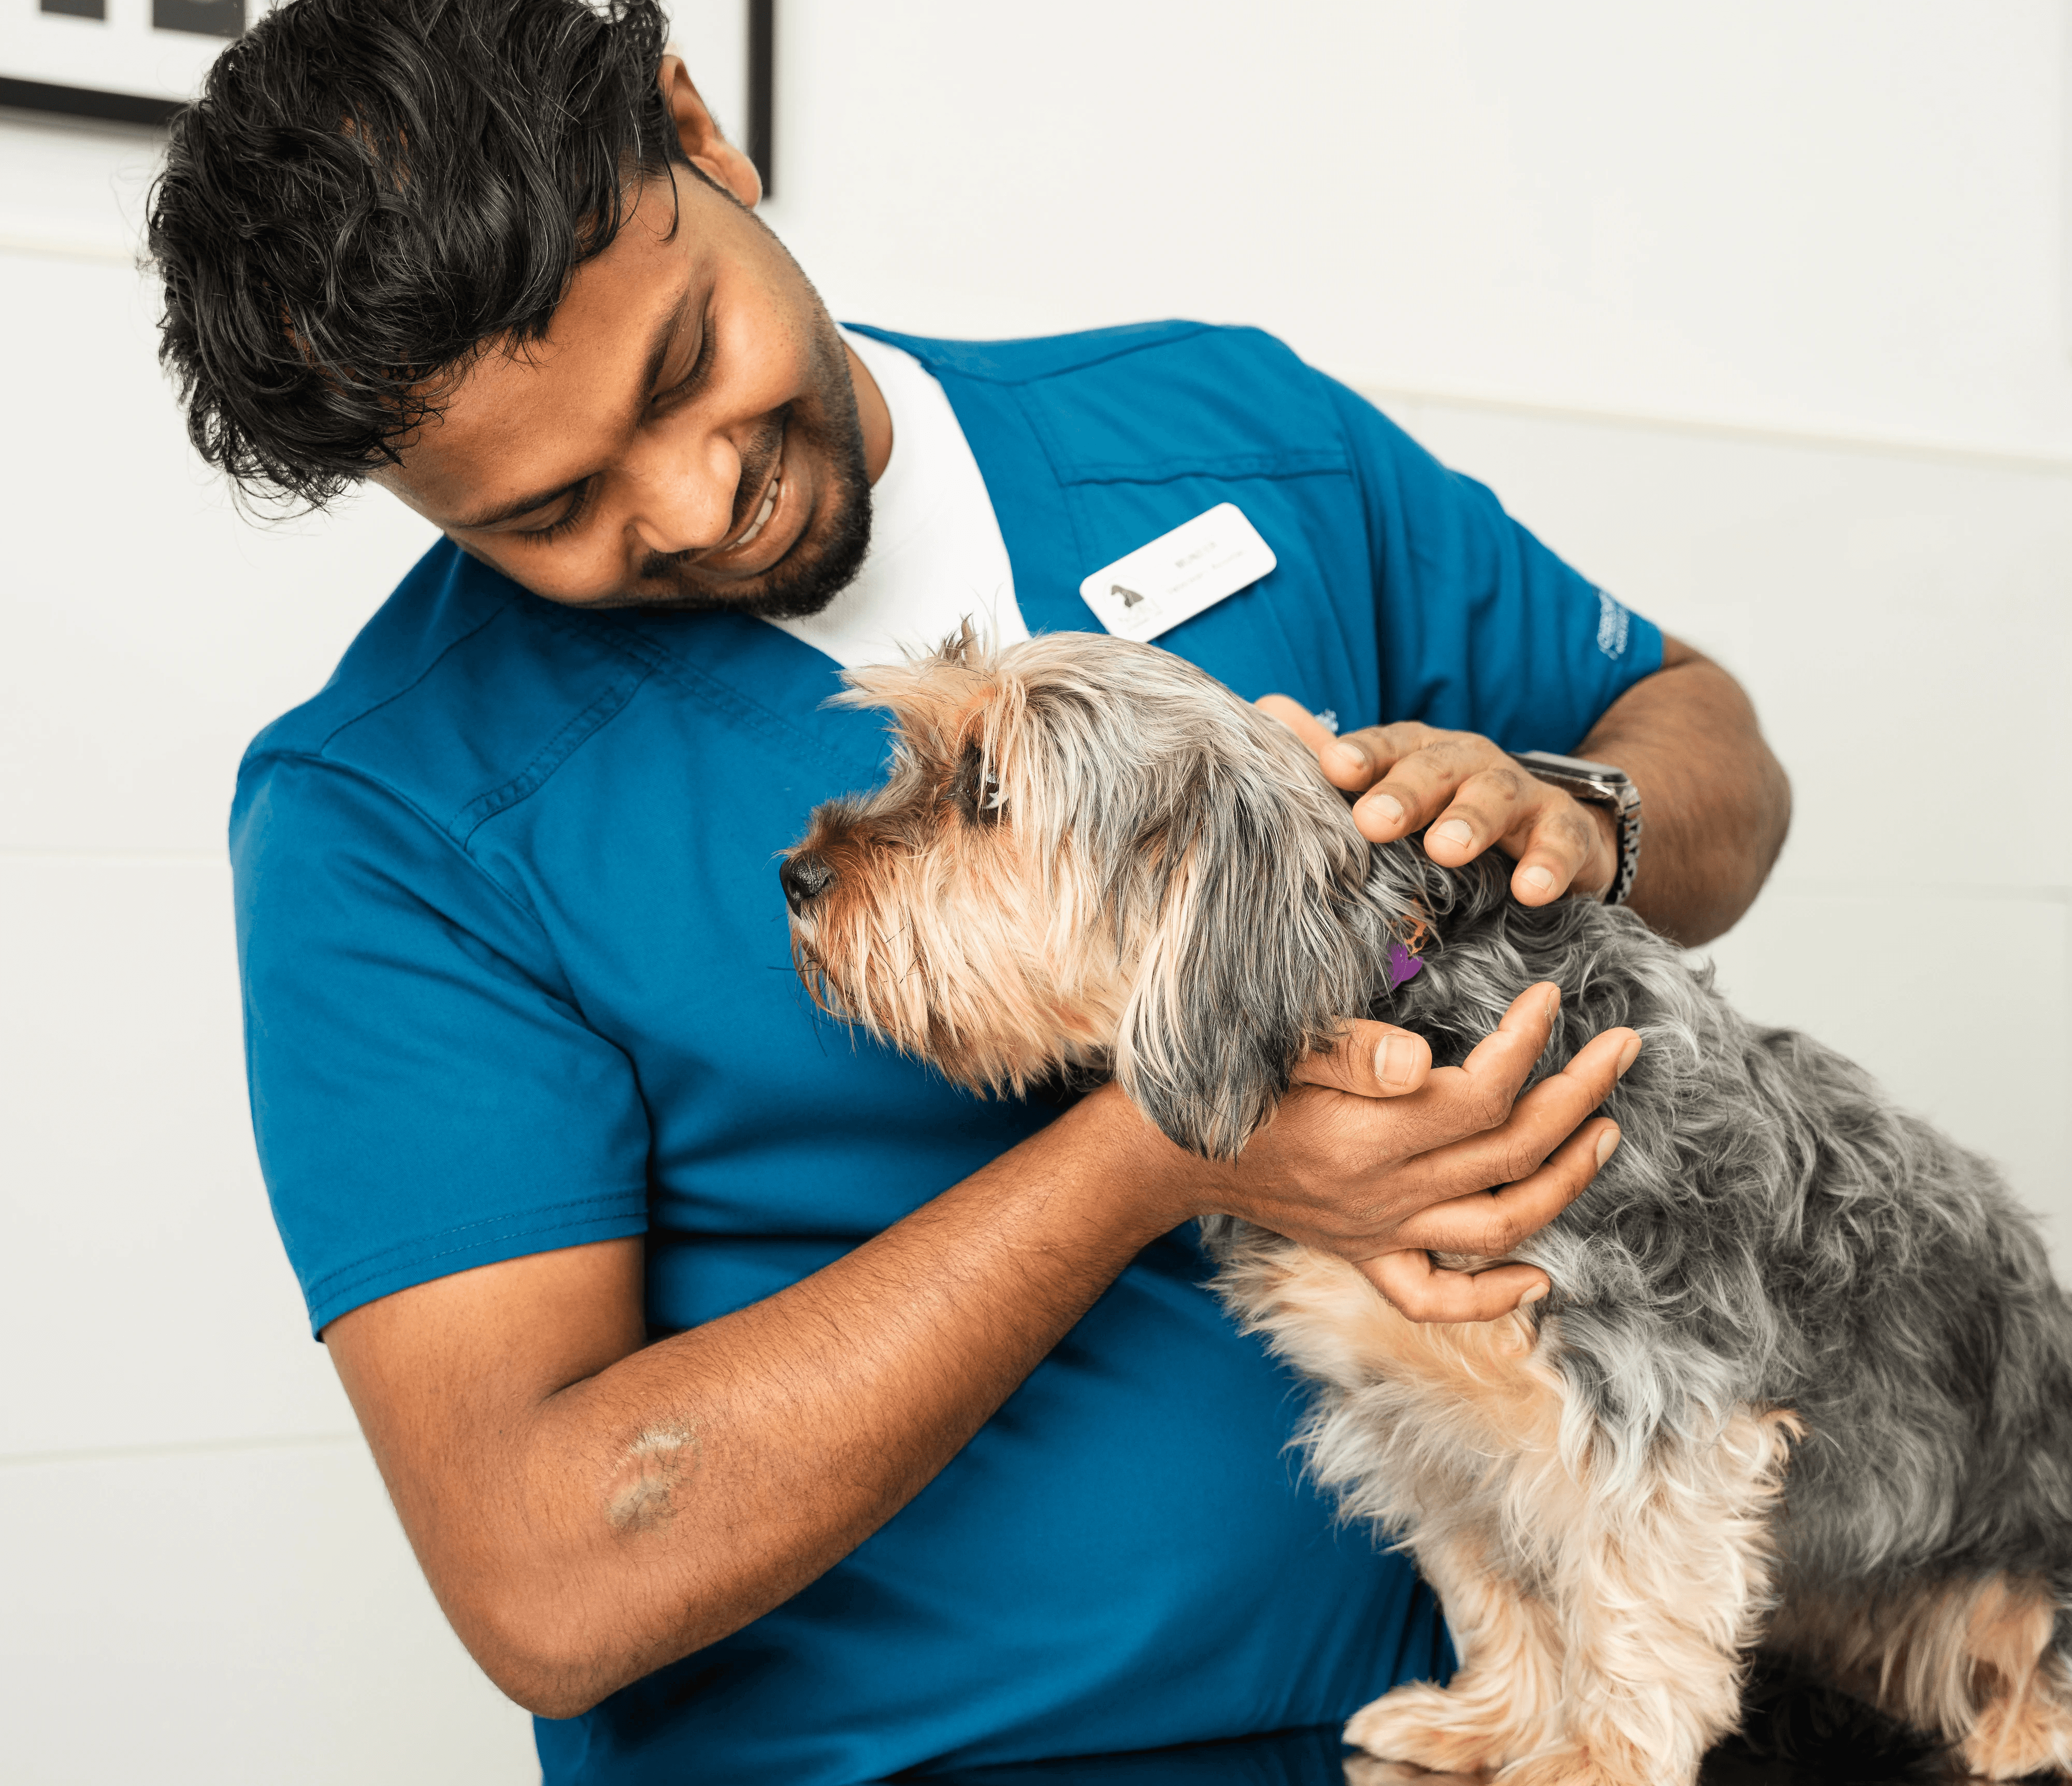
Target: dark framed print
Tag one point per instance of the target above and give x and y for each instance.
(133, 61)
(137, 61)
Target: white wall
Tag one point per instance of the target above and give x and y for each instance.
(1757, 313)
(201, 1575)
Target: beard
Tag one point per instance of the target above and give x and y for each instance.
(826, 557)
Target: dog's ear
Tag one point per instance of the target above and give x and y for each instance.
(1252, 955)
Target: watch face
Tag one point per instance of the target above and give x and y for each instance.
(1572, 766)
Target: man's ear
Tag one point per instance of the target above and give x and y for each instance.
(709, 151)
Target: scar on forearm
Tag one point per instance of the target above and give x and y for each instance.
(641, 1496)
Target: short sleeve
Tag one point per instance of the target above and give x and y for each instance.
(426, 1094)
(1483, 629)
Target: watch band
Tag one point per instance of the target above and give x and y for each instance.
(1596, 784)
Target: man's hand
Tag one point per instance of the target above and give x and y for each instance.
(1470, 794)
(1717, 802)
(1379, 1158)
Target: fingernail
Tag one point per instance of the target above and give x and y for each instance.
(1537, 1294)
(1607, 1145)
(1628, 1055)
(1553, 1003)
(1385, 808)
(1395, 1062)
(1352, 755)
(1457, 831)
(1539, 879)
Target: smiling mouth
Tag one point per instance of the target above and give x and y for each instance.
(763, 514)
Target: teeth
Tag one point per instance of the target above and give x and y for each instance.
(761, 514)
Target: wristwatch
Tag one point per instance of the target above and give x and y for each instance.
(1596, 784)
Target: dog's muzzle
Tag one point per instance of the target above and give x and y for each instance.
(804, 877)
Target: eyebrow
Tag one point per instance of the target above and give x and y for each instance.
(664, 338)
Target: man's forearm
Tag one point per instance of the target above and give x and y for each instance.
(580, 1536)
(1716, 802)
(589, 1506)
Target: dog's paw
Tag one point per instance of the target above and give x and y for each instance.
(1371, 1770)
(1439, 1730)
(2018, 1737)
(1574, 1764)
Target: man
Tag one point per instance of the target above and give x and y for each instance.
(759, 1408)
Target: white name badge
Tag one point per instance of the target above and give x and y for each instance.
(1178, 574)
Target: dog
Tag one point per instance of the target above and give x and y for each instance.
(1804, 1380)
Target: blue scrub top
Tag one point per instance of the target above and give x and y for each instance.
(517, 977)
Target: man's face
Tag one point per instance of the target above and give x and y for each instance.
(685, 435)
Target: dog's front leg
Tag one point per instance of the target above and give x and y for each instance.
(1602, 1644)
(1659, 1586)
(1503, 1703)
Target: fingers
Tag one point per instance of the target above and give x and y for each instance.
(1356, 760)
(1468, 793)
(1482, 1088)
(1423, 768)
(1567, 845)
(1493, 1223)
(1362, 757)
(1371, 1059)
(1476, 1096)
(1527, 1021)
(1299, 720)
(1501, 804)
(1538, 1123)
(1556, 842)
(1422, 1291)
(1491, 1226)
(1465, 794)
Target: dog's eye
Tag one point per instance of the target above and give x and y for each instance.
(977, 789)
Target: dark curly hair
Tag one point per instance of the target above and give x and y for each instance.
(366, 193)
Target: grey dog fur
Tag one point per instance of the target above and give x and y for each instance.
(1772, 1231)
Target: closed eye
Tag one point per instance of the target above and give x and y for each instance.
(700, 373)
(571, 517)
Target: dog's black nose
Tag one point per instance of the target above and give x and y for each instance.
(805, 877)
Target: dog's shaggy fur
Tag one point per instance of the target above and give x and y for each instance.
(1805, 1379)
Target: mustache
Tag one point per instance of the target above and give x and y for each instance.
(757, 458)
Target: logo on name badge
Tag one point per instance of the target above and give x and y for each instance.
(1178, 574)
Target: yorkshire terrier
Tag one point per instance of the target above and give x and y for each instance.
(1804, 1381)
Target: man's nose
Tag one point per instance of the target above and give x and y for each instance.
(804, 877)
(682, 501)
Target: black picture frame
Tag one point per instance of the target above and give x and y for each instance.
(26, 83)
(88, 102)
(762, 130)
(116, 61)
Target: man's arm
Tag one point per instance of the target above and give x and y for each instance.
(589, 1507)
(1715, 802)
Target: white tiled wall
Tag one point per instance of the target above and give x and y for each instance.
(1522, 228)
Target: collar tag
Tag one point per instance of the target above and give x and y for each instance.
(1178, 574)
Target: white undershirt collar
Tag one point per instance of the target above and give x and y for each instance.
(936, 555)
